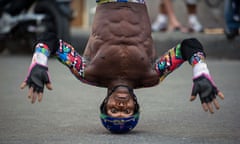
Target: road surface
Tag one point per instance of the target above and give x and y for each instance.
(69, 113)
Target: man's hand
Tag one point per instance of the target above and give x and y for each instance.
(207, 91)
(37, 77)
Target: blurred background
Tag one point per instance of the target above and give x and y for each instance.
(211, 16)
(69, 114)
(72, 20)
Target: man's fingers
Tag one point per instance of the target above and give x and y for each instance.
(30, 92)
(210, 108)
(220, 94)
(34, 97)
(49, 86)
(23, 85)
(192, 98)
(40, 97)
(205, 107)
(216, 104)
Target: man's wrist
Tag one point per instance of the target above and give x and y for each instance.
(200, 69)
(199, 64)
(41, 54)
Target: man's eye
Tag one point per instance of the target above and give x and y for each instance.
(127, 111)
(113, 110)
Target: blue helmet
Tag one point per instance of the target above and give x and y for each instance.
(119, 125)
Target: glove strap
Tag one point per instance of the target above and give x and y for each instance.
(41, 54)
(200, 69)
(199, 65)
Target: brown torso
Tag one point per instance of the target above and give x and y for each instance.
(120, 48)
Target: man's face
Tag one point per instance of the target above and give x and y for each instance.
(120, 104)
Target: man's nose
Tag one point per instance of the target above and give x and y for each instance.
(121, 104)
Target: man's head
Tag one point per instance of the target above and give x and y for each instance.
(120, 110)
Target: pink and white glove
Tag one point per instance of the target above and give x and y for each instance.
(38, 74)
(204, 86)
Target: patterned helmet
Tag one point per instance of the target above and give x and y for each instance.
(119, 125)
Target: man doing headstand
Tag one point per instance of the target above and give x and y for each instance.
(120, 56)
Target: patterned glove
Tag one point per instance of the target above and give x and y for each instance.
(38, 76)
(205, 88)
(203, 84)
(38, 70)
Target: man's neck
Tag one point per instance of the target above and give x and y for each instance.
(120, 83)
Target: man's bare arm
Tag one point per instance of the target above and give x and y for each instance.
(192, 51)
(49, 45)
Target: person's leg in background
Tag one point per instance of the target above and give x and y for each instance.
(174, 24)
(232, 26)
(193, 21)
(236, 10)
(166, 18)
(161, 22)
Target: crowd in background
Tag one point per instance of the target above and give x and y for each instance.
(166, 19)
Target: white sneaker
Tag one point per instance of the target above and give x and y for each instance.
(236, 18)
(194, 24)
(160, 23)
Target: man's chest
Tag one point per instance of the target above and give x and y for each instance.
(127, 63)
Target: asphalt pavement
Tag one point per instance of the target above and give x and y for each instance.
(69, 113)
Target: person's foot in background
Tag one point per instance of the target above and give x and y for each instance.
(160, 24)
(231, 34)
(194, 24)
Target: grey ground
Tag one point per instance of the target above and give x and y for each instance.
(69, 113)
